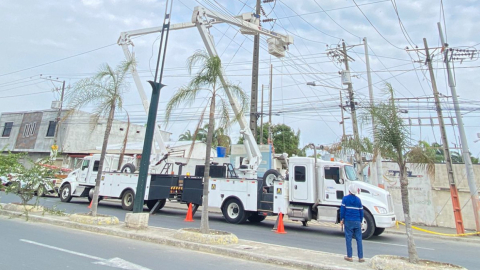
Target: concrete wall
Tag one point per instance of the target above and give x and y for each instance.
(429, 196)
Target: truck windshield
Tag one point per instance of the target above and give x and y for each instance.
(350, 172)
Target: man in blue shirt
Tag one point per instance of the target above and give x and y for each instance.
(351, 216)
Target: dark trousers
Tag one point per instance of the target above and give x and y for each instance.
(353, 229)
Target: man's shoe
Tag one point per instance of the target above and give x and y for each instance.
(361, 260)
(348, 259)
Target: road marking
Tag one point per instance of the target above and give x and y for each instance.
(397, 245)
(114, 262)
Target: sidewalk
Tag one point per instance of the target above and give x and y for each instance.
(247, 250)
(394, 230)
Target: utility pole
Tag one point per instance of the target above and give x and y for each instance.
(270, 109)
(54, 146)
(343, 118)
(466, 154)
(254, 92)
(358, 157)
(261, 118)
(446, 151)
(378, 156)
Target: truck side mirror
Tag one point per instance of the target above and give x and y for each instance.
(341, 181)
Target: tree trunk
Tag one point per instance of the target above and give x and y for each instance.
(412, 250)
(102, 159)
(122, 154)
(204, 227)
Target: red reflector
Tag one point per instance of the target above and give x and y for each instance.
(253, 182)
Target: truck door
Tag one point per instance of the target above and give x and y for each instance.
(84, 171)
(93, 173)
(334, 185)
(299, 184)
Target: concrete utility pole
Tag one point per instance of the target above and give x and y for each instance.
(343, 118)
(261, 118)
(466, 154)
(358, 157)
(446, 151)
(58, 115)
(254, 92)
(270, 109)
(378, 158)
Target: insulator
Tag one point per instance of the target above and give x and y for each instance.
(268, 20)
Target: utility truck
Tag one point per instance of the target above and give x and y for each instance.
(161, 185)
(314, 190)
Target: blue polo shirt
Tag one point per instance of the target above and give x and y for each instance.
(351, 208)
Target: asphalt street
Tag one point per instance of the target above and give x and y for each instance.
(41, 246)
(321, 238)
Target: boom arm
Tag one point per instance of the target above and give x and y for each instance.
(203, 19)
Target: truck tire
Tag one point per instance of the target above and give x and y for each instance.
(128, 168)
(41, 191)
(378, 231)
(127, 200)
(151, 204)
(256, 218)
(269, 176)
(233, 211)
(66, 193)
(368, 225)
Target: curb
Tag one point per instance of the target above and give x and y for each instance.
(391, 231)
(98, 220)
(122, 231)
(390, 262)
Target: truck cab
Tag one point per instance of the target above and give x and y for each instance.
(316, 189)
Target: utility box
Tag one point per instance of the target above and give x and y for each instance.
(346, 78)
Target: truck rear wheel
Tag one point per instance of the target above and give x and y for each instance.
(256, 218)
(269, 177)
(378, 231)
(151, 204)
(233, 211)
(368, 225)
(66, 193)
(127, 200)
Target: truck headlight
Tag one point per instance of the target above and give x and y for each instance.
(380, 210)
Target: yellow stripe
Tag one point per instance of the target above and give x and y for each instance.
(444, 234)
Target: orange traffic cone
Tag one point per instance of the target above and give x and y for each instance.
(90, 206)
(280, 228)
(189, 217)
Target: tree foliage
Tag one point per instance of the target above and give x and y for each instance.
(285, 139)
(395, 144)
(25, 177)
(208, 78)
(105, 92)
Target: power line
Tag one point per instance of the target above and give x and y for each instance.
(55, 61)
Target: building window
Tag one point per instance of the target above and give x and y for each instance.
(29, 129)
(7, 129)
(51, 128)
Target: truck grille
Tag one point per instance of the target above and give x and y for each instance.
(390, 203)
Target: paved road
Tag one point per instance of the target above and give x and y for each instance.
(27, 246)
(328, 239)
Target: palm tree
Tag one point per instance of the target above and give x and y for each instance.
(395, 144)
(105, 91)
(208, 78)
(187, 136)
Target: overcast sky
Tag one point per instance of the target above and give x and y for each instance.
(70, 40)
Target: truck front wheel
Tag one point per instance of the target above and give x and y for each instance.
(66, 193)
(378, 231)
(368, 225)
(127, 200)
(233, 211)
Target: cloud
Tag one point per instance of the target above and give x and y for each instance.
(92, 3)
